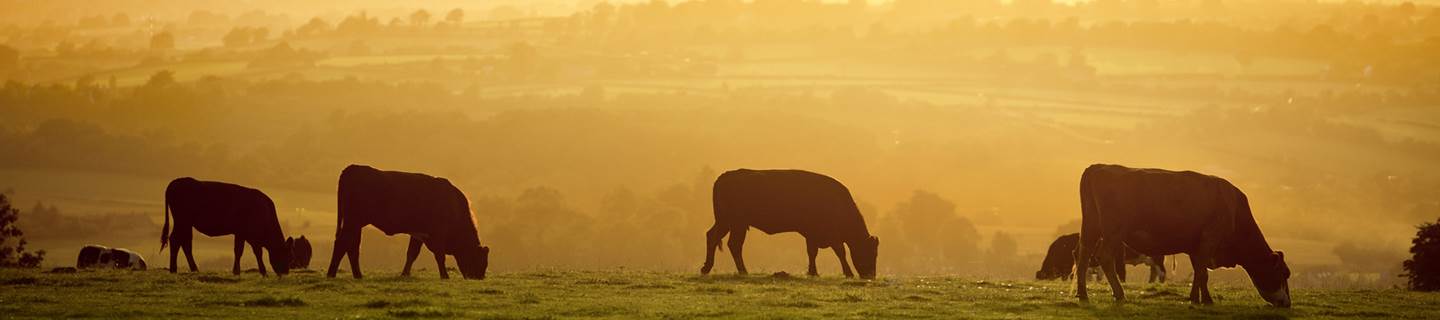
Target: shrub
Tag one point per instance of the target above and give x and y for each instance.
(16, 256)
(1423, 269)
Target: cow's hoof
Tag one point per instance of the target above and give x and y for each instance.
(704, 271)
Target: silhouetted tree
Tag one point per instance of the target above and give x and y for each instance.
(238, 36)
(9, 58)
(161, 79)
(1423, 269)
(120, 20)
(16, 256)
(316, 26)
(162, 41)
(455, 17)
(420, 18)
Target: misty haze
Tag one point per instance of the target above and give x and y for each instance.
(586, 140)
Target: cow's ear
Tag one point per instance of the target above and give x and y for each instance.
(875, 240)
(484, 249)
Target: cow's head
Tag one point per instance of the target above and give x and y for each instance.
(473, 261)
(299, 252)
(1046, 274)
(280, 258)
(1272, 278)
(863, 254)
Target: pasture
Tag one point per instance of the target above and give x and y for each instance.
(635, 294)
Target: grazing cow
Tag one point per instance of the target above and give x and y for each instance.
(98, 256)
(126, 259)
(1060, 261)
(94, 256)
(432, 211)
(300, 253)
(220, 209)
(1161, 212)
(775, 201)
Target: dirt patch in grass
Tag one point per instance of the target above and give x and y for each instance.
(382, 303)
(489, 291)
(274, 302)
(423, 313)
(216, 279)
(23, 281)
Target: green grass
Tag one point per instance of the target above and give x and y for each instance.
(630, 294)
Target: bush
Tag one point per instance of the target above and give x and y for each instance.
(14, 257)
(1423, 269)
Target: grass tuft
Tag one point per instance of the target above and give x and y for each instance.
(273, 302)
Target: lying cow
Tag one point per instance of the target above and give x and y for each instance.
(1161, 212)
(220, 209)
(774, 201)
(1059, 261)
(300, 253)
(98, 256)
(431, 210)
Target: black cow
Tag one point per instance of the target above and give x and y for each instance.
(775, 201)
(220, 209)
(432, 211)
(1059, 261)
(98, 256)
(300, 253)
(1162, 212)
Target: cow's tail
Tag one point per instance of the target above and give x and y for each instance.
(165, 229)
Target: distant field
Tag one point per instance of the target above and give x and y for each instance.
(628, 294)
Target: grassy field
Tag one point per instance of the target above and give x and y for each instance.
(632, 294)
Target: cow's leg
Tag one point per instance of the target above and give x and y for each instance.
(239, 252)
(174, 249)
(844, 264)
(1157, 269)
(1084, 253)
(737, 241)
(1163, 272)
(712, 241)
(440, 264)
(410, 255)
(811, 250)
(1199, 287)
(354, 253)
(337, 252)
(259, 262)
(189, 244)
(1120, 267)
(1110, 252)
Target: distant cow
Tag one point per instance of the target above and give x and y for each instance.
(432, 211)
(220, 209)
(94, 256)
(1161, 212)
(1059, 262)
(300, 253)
(774, 201)
(98, 256)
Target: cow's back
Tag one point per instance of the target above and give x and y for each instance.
(1160, 212)
(775, 201)
(218, 208)
(400, 202)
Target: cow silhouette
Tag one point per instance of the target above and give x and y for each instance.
(1162, 212)
(300, 253)
(431, 210)
(219, 209)
(98, 256)
(775, 201)
(1059, 261)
